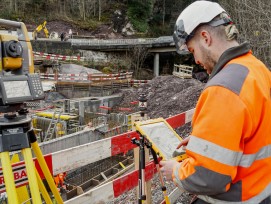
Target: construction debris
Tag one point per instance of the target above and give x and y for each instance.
(167, 95)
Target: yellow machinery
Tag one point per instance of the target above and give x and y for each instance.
(39, 28)
(17, 51)
(52, 115)
(16, 130)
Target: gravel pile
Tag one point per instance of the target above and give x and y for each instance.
(167, 96)
(157, 194)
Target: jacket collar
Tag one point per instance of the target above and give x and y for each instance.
(228, 55)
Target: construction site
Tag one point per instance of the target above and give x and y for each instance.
(78, 82)
(83, 123)
(76, 126)
(73, 126)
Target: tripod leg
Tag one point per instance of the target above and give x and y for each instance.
(43, 190)
(22, 192)
(142, 197)
(30, 169)
(9, 178)
(164, 189)
(46, 171)
(142, 174)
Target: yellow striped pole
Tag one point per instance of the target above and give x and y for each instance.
(9, 178)
(31, 174)
(46, 171)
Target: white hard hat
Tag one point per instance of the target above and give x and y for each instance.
(199, 12)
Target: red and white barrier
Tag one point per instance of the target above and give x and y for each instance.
(72, 158)
(86, 77)
(48, 56)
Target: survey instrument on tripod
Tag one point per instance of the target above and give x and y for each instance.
(18, 84)
(16, 134)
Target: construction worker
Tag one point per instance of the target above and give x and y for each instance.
(229, 149)
(60, 181)
(62, 36)
(70, 33)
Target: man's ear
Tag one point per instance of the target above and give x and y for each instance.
(206, 37)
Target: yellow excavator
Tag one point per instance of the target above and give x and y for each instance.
(42, 26)
(39, 28)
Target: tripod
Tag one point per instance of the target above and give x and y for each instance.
(16, 134)
(155, 159)
(142, 142)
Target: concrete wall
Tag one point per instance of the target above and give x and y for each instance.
(54, 47)
(75, 92)
(92, 104)
(68, 141)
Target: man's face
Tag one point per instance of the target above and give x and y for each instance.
(202, 55)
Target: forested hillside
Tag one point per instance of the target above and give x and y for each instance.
(147, 16)
(150, 18)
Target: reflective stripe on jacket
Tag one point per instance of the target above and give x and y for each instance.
(230, 145)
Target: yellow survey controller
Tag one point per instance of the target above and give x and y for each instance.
(163, 138)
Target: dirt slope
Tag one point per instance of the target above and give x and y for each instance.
(166, 95)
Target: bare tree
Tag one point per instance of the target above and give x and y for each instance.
(253, 18)
(138, 55)
(100, 10)
(164, 12)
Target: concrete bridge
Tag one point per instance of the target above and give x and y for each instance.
(124, 44)
(154, 45)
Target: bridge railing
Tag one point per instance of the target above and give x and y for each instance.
(137, 41)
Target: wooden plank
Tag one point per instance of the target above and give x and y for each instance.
(101, 194)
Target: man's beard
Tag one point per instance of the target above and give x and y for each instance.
(207, 60)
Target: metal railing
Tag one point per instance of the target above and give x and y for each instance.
(110, 42)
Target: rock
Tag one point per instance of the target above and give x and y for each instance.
(128, 30)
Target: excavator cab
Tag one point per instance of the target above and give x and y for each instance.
(39, 28)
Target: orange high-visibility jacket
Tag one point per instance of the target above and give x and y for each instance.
(59, 179)
(230, 145)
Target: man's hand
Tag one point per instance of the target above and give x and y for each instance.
(183, 143)
(167, 168)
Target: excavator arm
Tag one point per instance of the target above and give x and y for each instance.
(39, 28)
